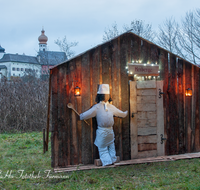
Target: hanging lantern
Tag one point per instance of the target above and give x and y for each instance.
(77, 91)
(188, 92)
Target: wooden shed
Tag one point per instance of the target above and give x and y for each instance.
(162, 120)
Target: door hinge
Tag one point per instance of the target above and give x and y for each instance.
(160, 93)
(162, 139)
(133, 114)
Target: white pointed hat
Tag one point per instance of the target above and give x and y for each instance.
(104, 89)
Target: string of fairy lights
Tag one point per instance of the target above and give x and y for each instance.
(139, 77)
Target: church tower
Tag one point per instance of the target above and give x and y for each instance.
(2, 52)
(42, 41)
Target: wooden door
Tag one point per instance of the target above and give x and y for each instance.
(146, 119)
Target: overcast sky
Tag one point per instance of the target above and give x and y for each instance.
(80, 20)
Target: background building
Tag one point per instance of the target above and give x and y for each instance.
(15, 65)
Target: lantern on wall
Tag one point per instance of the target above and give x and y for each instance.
(77, 91)
(188, 92)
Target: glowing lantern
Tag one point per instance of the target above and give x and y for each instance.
(77, 91)
(188, 92)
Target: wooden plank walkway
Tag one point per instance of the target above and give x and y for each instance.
(130, 162)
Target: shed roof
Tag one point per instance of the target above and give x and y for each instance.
(117, 37)
(3, 67)
(19, 58)
(51, 57)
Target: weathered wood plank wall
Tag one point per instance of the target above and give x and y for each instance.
(72, 139)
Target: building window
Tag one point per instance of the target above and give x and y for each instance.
(22, 69)
(17, 69)
(13, 74)
(13, 68)
(26, 69)
(19, 74)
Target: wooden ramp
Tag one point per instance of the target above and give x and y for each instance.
(129, 162)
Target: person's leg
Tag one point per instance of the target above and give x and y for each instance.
(112, 152)
(105, 156)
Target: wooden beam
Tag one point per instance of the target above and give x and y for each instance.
(147, 139)
(146, 84)
(48, 111)
(160, 120)
(145, 147)
(148, 153)
(147, 131)
(54, 136)
(146, 92)
(130, 162)
(146, 107)
(133, 121)
(44, 143)
(146, 99)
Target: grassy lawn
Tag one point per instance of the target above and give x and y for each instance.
(24, 166)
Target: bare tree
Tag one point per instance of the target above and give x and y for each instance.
(142, 29)
(137, 26)
(66, 46)
(189, 37)
(168, 36)
(110, 33)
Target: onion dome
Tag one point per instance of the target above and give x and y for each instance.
(2, 50)
(43, 38)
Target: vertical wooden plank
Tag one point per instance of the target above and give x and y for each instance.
(68, 114)
(105, 64)
(91, 101)
(154, 54)
(124, 96)
(181, 106)
(133, 121)
(54, 134)
(115, 74)
(164, 76)
(95, 78)
(160, 119)
(44, 142)
(135, 48)
(86, 131)
(145, 51)
(100, 66)
(173, 107)
(73, 116)
(65, 134)
(198, 112)
(184, 112)
(162, 60)
(48, 114)
(188, 101)
(120, 98)
(79, 109)
(60, 122)
(193, 110)
(163, 67)
(61, 116)
(196, 102)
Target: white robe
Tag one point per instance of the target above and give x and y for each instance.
(104, 113)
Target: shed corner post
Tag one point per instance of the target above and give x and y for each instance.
(48, 111)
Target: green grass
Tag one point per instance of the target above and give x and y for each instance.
(25, 152)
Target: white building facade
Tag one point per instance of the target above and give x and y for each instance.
(20, 65)
(15, 65)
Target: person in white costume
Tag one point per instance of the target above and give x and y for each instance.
(104, 113)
